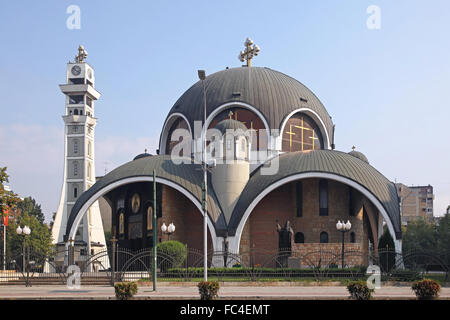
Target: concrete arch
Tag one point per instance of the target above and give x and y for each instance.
(315, 116)
(106, 189)
(166, 127)
(235, 241)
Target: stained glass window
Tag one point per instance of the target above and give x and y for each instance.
(301, 134)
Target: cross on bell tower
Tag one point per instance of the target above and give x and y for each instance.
(250, 51)
(82, 55)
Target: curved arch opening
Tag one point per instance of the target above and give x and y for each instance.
(102, 192)
(316, 175)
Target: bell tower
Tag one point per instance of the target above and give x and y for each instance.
(79, 157)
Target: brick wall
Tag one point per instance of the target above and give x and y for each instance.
(326, 254)
(186, 217)
(260, 229)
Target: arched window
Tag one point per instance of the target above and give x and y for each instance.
(89, 148)
(179, 123)
(75, 112)
(75, 168)
(323, 237)
(300, 133)
(81, 112)
(299, 237)
(89, 170)
(250, 119)
(323, 197)
(299, 198)
(352, 237)
(70, 112)
(75, 146)
(351, 208)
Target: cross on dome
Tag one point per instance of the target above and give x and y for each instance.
(250, 51)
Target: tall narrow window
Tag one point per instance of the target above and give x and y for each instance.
(75, 168)
(75, 112)
(323, 237)
(75, 192)
(351, 209)
(299, 197)
(323, 197)
(75, 146)
(89, 148)
(352, 237)
(89, 170)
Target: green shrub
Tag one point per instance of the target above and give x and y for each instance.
(275, 272)
(208, 290)
(359, 291)
(125, 290)
(174, 251)
(426, 289)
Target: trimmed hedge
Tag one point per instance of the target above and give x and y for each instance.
(290, 272)
(173, 249)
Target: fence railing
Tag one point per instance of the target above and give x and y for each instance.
(108, 266)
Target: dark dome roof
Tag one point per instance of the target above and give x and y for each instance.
(273, 93)
(359, 155)
(232, 124)
(142, 155)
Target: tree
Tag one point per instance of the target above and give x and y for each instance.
(443, 236)
(39, 241)
(419, 235)
(30, 207)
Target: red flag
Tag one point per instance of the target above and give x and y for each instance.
(5, 217)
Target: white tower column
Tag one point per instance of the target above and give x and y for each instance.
(79, 156)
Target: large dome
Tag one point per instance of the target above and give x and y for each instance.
(272, 93)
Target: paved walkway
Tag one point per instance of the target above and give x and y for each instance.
(226, 292)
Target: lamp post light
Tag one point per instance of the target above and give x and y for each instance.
(343, 228)
(25, 259)
(168, 229)
(202, 77)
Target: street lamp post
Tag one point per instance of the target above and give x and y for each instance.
(343, 228)
(202, 77)
(168, 229)
(25, 260)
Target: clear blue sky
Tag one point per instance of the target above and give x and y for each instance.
(387, 89)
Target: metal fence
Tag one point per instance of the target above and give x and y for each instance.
(109, 266)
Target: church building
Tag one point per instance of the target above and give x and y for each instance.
(271, 159)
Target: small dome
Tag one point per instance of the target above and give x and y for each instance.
(142, 155)
(359, 155)
(230, 124)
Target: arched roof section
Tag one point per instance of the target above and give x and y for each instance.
(185, 176)
(325, 163)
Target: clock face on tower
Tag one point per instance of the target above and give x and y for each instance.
(76, 70)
